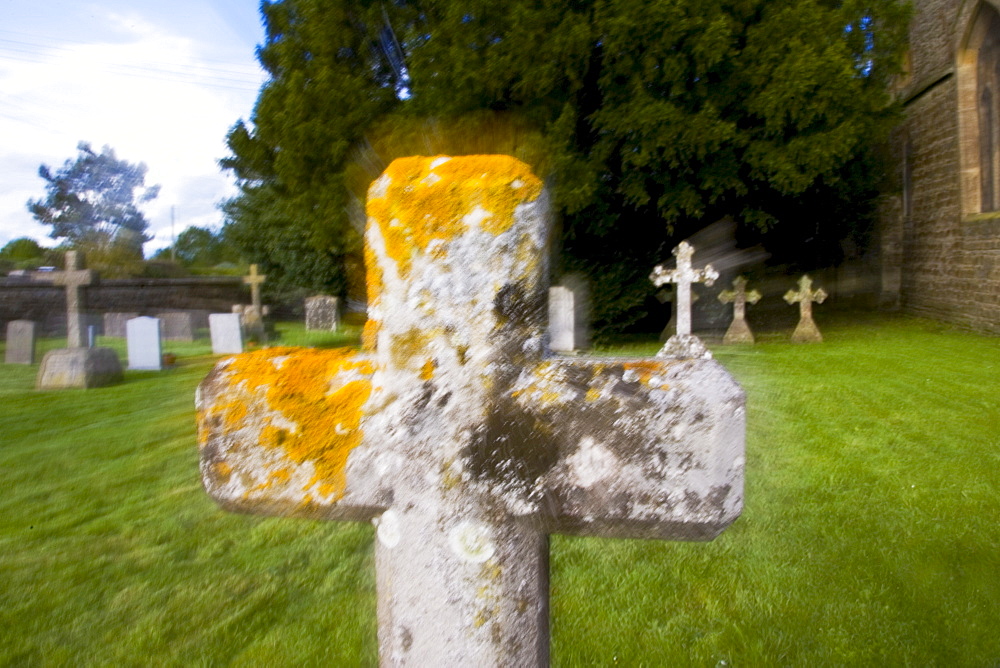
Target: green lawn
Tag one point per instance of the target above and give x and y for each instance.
(871, 533)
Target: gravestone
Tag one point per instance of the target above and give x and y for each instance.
(114, 323)
(670, 294)
(739, 330)
(20, 342)
(683, 343)
(322, 313)
(226, 333)
(569, 315)
(76, 366)
(176, 325)
(806, 331)
(143, 340)
(459, 434)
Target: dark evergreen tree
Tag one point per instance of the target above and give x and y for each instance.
(655, 119)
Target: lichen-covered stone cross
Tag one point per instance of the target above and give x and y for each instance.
(459, 434)
(806, 330)
(739, 331)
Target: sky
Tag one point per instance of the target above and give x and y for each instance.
(159, 82)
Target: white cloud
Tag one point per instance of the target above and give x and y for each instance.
(152, 94)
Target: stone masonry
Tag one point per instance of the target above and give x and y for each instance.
(940, 250)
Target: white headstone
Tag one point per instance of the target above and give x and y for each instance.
(569, 316)
(143, 341)
(227, 335)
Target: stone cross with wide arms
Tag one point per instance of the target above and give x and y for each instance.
(459, 434)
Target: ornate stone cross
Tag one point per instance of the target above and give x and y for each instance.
(806, 331)
(739, 330)
(683, 276)
(73, 278)
(458, 434)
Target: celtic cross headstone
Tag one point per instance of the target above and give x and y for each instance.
(739, 330)
(806, 331)
(459, 434)
(683, 342)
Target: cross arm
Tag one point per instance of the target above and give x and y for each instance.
(280, 432)
(642, 448)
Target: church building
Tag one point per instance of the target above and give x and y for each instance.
(940, 228)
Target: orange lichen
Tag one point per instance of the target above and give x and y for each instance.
(420, 200)
(319, 393)
(369, 335)
(427, 370)
(593, 394)
(222, 470)
(645, 369)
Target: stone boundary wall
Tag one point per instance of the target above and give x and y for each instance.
(24, 299)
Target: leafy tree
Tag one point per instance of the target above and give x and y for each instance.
(92, 203)
(656, 118)
(199, 247)
(23, 249)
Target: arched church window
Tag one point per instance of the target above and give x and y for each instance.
(979, 111)
(986, 83)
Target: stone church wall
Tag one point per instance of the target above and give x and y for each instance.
(940, 259)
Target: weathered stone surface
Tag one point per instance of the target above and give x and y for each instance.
(322, 313)
(739, 330)
(806, 331)
(459, 434)
(69, 368)
(20, 342)
(226, 333)
(114, 323)
(143, 341)
(176, 325)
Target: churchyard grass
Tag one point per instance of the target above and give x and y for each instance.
(870, 533)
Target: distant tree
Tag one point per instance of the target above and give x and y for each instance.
(657, 118)
(199, 247)
(23, 249)
(93, 203)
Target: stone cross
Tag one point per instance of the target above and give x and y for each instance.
(73, 278)
(255, 280)
(683, 276)
(739, 330)
(806, 331)
(459, 434)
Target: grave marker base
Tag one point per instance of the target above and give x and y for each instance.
(82, 368)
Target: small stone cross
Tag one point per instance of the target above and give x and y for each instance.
(739, 330)
(459, 434)
(683, 276)
(73, 278)
(806, 331)
(255, 280)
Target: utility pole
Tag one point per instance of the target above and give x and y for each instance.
(173, 237)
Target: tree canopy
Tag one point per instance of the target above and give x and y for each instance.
(648, 120)
(93, 202)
